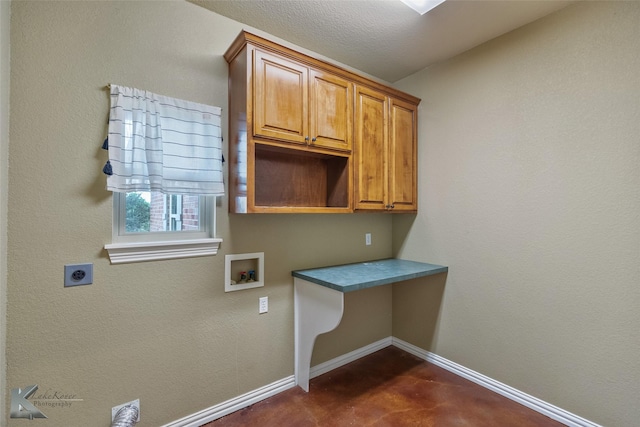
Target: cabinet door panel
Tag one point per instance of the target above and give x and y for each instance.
(371, 144)
(331, 111)
(280, 98)
(402, 156)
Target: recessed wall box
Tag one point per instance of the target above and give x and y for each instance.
(243, 271)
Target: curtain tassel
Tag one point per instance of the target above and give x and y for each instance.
(105, 144)
(107, 168)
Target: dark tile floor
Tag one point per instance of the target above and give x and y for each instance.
(387, 388)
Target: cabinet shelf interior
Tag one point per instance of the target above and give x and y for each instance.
(285, 177)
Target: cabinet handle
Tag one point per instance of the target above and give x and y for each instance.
(313, 139)
(306, 138)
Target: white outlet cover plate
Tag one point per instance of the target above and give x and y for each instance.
(264, 305)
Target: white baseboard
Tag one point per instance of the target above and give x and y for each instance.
(235, 404)
(551, 411)
(248, 399)
(332, 364)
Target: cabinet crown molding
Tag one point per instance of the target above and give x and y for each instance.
(246, 37)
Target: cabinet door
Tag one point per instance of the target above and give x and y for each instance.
(331, 111)
(403, 195)
(280, 98)
(371, 146)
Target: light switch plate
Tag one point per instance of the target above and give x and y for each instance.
(78, 274)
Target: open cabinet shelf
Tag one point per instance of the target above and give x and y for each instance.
(291, 178)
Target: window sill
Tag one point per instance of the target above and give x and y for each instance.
(122, 253)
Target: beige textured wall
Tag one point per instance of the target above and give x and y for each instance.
(5, 48)
(529, 190)
(164, 332)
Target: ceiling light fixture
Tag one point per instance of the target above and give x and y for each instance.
(422, 6)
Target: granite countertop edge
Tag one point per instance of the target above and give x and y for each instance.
(419, 269)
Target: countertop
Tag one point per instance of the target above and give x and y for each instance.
(362, 275)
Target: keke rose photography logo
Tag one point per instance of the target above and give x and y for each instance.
(22, 407)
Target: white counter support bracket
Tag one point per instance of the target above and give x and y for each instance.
(322, 308)
(319, 299)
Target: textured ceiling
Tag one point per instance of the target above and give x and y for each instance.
(384, 38)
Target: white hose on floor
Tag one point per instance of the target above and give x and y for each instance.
(127, 416)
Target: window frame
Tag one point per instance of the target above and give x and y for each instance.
(152, 246)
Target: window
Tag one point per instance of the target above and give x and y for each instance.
(145, 214)
(152, 226)
(165, 171)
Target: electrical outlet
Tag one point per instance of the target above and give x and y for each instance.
(367, 239)
(264, 305)
(115, 409)
(78, 274)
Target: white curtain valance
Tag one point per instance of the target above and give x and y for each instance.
(158, 143)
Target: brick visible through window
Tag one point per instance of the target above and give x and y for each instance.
(174, 212)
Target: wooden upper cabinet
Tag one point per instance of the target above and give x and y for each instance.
(403, 155)
(371, 144)
(331, 111)
(309, 136)
(281, 90)
(385, 153)
(297, 104)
